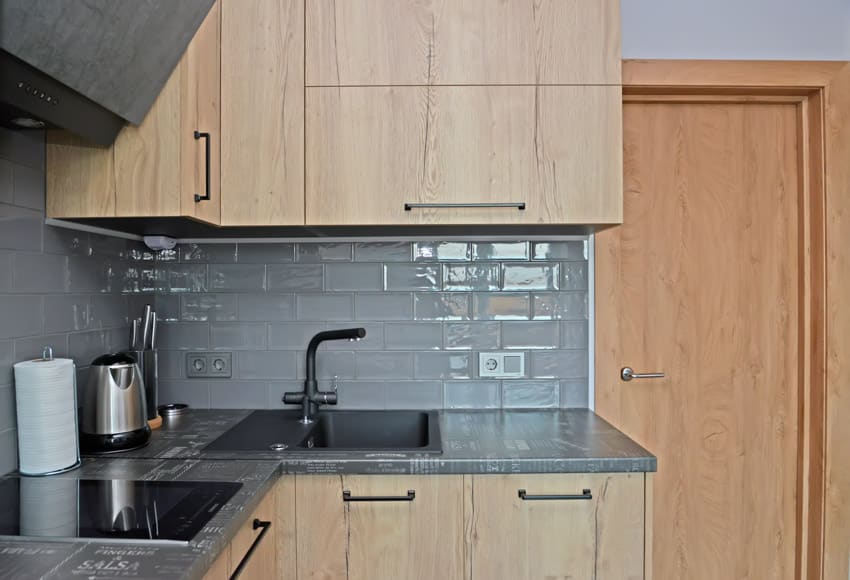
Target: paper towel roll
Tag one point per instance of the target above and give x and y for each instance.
(46, 397)
(49, 507)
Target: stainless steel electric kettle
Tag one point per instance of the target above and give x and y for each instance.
(114, 414)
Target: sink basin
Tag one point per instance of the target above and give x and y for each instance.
(334, 431)
(371, 430)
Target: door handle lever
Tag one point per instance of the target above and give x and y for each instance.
(628, 373)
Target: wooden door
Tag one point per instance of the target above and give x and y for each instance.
(702, 282)
(371, 150)
(420, 539)
(263, 561)
(600, 537)
(469, 42)
(262, 112)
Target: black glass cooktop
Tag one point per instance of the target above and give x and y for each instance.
(57, 508)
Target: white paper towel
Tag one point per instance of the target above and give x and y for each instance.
(46, 396)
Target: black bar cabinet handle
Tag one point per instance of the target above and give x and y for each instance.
(258, 523)
(411, 495)
(585, 494)
(206, 138)
(520, 205)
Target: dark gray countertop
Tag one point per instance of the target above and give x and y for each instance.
(21, 559)
(558, 441)
(565, 441)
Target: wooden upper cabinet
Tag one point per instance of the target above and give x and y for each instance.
(262, 115)
(555, 149)
(157, 168)
(557, 531)
(462, 42)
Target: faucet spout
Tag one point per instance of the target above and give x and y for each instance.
(311, 398)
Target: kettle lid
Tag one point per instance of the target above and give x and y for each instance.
(113, 359)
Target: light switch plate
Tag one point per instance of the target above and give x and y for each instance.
(209, 365)
(507, 365)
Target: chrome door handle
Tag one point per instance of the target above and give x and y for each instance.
(628, 373)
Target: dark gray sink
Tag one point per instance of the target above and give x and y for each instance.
(371, 430)
(334, 431)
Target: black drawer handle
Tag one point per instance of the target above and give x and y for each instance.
(411, 495)
(206, 138)
(585, 494)
(520, 205)
(257, 525)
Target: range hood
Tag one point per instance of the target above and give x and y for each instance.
(89, 66)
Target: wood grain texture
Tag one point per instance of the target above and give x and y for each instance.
(837, 516)
(702, 282)
(263, 563)
(80, 178)
(462, 42)
(287, 528)
(370, 150)
(795, 75)
(201, 111)
(648, 511)
(538, 540)
(418, 540)
(262, 113)
(148, 158)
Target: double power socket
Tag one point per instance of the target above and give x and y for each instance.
(209, 365)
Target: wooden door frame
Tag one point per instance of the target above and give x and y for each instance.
(821, 91)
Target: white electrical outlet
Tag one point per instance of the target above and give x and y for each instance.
(509, 365)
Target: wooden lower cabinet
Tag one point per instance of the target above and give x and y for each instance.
(418, 539)
(274, 556)
(557, 530)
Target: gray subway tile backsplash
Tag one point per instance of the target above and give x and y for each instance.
(413, 335)
(383, 306)
(537, 394)
(238, 336)
(383, 365)
(237, 278)
(353, 277)
(419, 277)
(501, 306)
(471, 335)
(208, 307)
(442, 306)
(471, 277)
(58, 287)
(324, 252)
(329, 307)
(527, 335)
(295, 277)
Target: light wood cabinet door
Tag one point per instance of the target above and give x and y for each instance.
(420, 539)
(274, 555)
(462, 42)
(371, 150)
(157, 168)
(555, 532)
(262, 113)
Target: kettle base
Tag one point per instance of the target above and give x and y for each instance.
(114, 442)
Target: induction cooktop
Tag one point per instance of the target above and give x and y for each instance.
(112, 510)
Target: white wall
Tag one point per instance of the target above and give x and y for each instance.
(737, 29)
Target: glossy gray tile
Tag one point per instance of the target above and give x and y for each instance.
(400, 277)
(413, 335)
(560, 306)
(7, 408)
(196, 394)
(414, 395)
(207, 253)
(324, 252)
(266, 307)
(469, 277)
(328, 307)
(182, 278)
(7, 193)
(238, 395)
(362, 395)
(293, 335)
(382, 252)
(265, 253)
(274, 365)
(530, 394)
(559, 364)
(572, 251)
(353, 277)
(329, 364)
(384, 306)
(472, 395)
(574, 334)
(527, 277)
(383, 365)
(68, 312)
(238, 336)
(497, 306)
(531, 335)
(441, 251)
(208, 307)
(8, 450)
(471, 335)
(574, 276)
(575, 394)
(442, 306)
(20, 228)
(29, 187)
(183, 335)
(22, 315)
(237, 277)
(500, 251)
(443, 365)
(295, 277)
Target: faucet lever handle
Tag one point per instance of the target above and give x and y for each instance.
(293, 398)
(335, 383)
